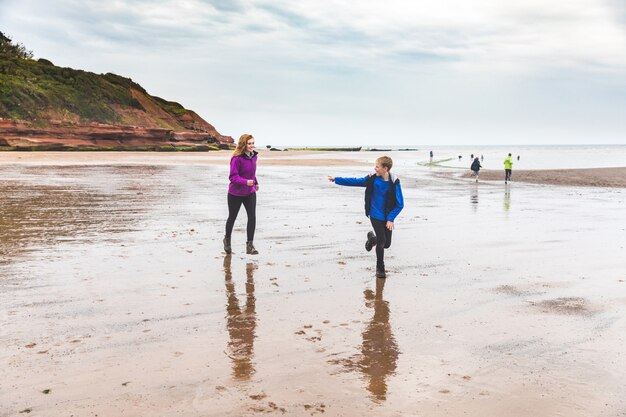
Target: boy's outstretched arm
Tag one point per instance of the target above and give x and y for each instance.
(350, 182)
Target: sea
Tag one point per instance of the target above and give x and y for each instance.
(524, 156)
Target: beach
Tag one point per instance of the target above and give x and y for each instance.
(585, 177)
(117, 298)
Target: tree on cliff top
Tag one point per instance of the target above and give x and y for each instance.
(8, 49)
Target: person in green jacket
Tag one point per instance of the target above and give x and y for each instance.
(508, 168)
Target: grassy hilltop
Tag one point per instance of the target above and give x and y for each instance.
(40, 92)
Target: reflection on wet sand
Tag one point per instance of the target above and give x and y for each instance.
(507, 197)
(474, 196)
(241, 324)
(379, 352)
(44, 206)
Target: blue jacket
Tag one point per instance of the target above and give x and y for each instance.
(378, 209)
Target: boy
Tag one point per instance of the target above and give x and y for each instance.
(383, 202)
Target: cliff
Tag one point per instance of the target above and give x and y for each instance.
(43, 106)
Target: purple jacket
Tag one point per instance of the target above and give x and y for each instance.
(242, 169)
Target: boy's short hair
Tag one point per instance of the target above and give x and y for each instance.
(385, 162)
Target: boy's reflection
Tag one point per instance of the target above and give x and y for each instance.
(241, 324)
(379, 350)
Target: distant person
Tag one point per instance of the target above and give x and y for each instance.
(431, 156)
(472, 156)
(383, 202)
(242, 190)
(460, 156)
(476, 168)
(481, 158)
(518, 157)
(508, 168)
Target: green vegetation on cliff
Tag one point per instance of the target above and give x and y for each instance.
(39, 91)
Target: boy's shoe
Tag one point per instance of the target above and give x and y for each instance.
(250, 250)
(371, 241)
(227, 248)
(380, 273)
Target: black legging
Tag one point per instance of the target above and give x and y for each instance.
(383, 240)
(234, 204)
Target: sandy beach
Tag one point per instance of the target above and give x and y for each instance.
(117, 300)
(586, 177)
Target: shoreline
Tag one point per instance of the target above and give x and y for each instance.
(584, 177)
(587, 177)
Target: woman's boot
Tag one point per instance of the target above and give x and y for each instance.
(250, 250)
(227, 247)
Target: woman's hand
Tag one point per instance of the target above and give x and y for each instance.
(250, 183)
(331, 178)
(389, 225)
(256, 187)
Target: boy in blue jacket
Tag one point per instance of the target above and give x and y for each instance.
(383, 202)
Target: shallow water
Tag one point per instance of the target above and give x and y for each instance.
(115, 296)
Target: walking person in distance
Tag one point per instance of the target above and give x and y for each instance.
(476, 168)
(508, 168)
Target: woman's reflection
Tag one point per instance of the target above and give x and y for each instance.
(241, 324)
(379, 350)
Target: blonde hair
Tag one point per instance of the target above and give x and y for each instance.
(242, 143)
(385, 162)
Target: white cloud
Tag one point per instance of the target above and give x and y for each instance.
(428, 66)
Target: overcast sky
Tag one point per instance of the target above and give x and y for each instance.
(367, 72)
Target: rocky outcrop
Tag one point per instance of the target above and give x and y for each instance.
(43, 106)
(17, 133)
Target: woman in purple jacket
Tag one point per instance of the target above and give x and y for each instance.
(242, 190)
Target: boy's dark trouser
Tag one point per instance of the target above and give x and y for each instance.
(383, 240)
(507, 174)
(234, 204)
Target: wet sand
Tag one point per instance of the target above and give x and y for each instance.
(306, 158)
(117, 300)
(588, 177)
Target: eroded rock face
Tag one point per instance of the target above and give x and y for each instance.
(17, 133)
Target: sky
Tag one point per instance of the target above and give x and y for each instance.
(338, 72)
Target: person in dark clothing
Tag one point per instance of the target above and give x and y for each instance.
(476, 168)
(242, 190)
(383, 202)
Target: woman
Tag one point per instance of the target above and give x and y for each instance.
(242, 190)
